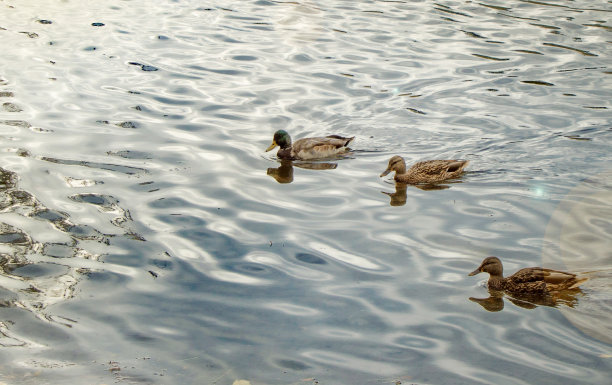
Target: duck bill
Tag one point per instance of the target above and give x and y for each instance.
(385, 173)
(477, 271)
(271, 146)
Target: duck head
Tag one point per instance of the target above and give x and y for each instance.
(491, 265)
(281, 139)
(396, 164)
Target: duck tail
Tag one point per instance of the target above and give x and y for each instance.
(458, 165)
(346, 140)
(577, 282)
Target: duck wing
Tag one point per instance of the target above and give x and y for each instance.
(320, 147)
(553, 279)
(439, 166)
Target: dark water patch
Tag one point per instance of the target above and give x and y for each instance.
(43, 21)
(416, 111)
(249, 268)
(37, 270)
(86, 232)
(473, 34)
(447, 9)
(15, 238)
(495, 7)
(229, 72)
(310, 258)
(127, 125)
(162, 264)
(182, 220)
(144, 67)
(31, 35)
(130, 154)
(244, 58)
(16, 123)
(293, 365)
(11, 107)
(103, 166)
(260, 27)
(577, 137)
(489, 57)
(582, 52)
(51, 215)
(59, 250)
(545, 26)
(528, 51)
(222, 246)
(231, 117)
(537, 82)
(606, 27)
(302, 58)
(106, 201)
(97, 24)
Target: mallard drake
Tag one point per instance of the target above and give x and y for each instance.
(429, 171)
(309, 148)
(532, 280)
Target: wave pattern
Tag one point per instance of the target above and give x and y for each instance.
(145, 236)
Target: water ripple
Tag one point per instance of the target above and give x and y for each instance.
(143, 226)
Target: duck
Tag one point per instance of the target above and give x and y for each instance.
(530, 280)
(309, 148)
(428, 171)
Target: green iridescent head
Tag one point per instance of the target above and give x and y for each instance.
(281, 139)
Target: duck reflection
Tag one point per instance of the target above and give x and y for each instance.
(284, 173)
(495, 301)
(398, 198)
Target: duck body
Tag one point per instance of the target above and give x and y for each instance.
(429, 171)
(309, 148)
(530, 280)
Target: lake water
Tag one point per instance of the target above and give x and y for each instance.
(147, 238)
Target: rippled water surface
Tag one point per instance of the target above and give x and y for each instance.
(146, 237)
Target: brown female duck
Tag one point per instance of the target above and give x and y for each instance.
(429, 171)
(309, 148)
(532, 280)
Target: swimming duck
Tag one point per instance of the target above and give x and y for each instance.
(429, 171)
(533, 280)
(309, 148)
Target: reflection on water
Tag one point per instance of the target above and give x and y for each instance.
(141, 241)
(495, 301)
(41, 273)
(399, 197)
(284, 173)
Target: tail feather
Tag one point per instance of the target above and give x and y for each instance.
(457, 166)
(347, 140)
(578, 282)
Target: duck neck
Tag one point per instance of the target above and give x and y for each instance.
(496, 281)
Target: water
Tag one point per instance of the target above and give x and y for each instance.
(147, 238)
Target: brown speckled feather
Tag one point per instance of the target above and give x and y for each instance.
(429, 171)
